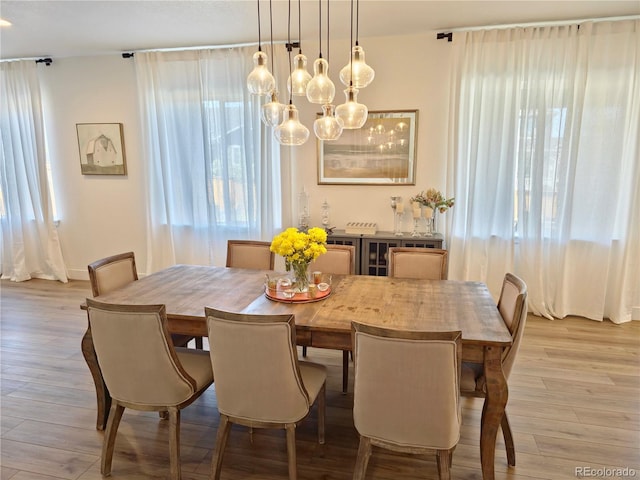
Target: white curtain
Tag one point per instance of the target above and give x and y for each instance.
(544, 164)
(29, 244)
(214, 170)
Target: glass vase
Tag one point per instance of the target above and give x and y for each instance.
(300, 276)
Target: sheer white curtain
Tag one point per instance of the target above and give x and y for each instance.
(214, 170)
(545, 165)
(29, 244)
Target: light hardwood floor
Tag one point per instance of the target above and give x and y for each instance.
(574, 403)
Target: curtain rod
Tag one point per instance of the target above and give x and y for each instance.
(47, 61)
(449, 32)
(131, 53)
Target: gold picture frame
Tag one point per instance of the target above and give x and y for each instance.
(101, 147)
(382, 152)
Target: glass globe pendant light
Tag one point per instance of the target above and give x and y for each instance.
(271, 112)
(260, 81)
(320, 89)
(328, 127)
(352, 113)
(300, 77)
(363, 74)
(291, 131)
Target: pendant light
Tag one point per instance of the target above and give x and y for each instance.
(353, 114)
(291, 131)
(271, 112)
(260, 81)
(300, 77)
(357, 72)
(320, 89)
(328, 127)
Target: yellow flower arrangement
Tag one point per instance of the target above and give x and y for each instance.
(299, 249)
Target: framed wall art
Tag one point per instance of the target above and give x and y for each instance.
(382, 152)
(101, 147)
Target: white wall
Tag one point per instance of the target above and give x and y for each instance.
(103, 215)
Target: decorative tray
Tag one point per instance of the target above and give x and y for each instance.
(279, 295)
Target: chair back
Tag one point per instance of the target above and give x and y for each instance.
(406, 389)
(418, 262)
(512, 306)
(255, 362)
(112, 272)
(250, 254)
(136, 372)
(339, 260)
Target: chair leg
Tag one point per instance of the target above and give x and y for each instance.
(508, 440)
(174, 443)
(345, 371)
(304, 352)
(291, 450)
(364, 452)
(444, 464)
(322, 407)
(199, 344)
(109, 441)
(221, 442)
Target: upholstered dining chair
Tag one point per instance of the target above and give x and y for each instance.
(512, 306)
(148, 376)
(266, 386)
(118, 270)
(339, 260)
(250, 254)
(406, 393)
(418, 262)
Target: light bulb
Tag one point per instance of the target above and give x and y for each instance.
(361, 74)
(272, 111)
(352, 113)
(299, 78)
(328, 127)
(291, 131)
(260, 81)
(320, 88)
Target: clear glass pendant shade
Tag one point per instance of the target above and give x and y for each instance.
(272, 111)
(352, 113)
(320, 89)
(328, 127)
(260, 81)
(299, 78)
(291, 131)
(361, 75)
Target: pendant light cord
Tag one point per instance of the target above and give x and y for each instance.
(351, 50)
(259, 42)
(328, 19)
(289, 50)
(299, 29)
(357, 20)
(320, 27)
(271, 25)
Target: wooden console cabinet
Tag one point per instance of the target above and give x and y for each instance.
(371, 250)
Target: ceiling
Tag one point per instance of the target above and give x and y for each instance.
(58, 28)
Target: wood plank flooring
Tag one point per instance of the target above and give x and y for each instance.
(574, 403)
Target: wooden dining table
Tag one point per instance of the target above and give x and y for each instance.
(407, 304)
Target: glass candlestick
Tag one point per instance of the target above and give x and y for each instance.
(398, 220)
(394, 204)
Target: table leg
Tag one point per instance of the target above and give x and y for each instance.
(493, 409)
(345, 371)
(103, 396)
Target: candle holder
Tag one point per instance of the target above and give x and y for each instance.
(429, 214)
(394, 204)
